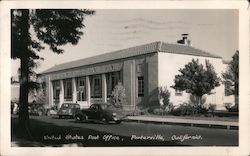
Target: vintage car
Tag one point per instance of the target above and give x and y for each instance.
(52, 111)
(68, 110)
(103, 112)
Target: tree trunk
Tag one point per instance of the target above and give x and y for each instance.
(24, 77)
(199, 104)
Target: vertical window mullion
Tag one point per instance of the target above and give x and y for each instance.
(140, 86)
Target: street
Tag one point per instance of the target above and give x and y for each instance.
(51, 131)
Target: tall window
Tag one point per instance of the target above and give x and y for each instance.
(139, 68)
(96, 86)
(112, 80)
(56, 91)
(81, 89)
(67, 83)
(140, 86)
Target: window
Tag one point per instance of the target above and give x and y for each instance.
(67, 83)
(140, 86)
(94, 107)
(139, 68)
(56, 90)
(112, 80)
(96, 86)
(178, 93)
(81, 89)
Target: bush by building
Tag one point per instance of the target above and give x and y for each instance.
(118, 96)
(231, 108)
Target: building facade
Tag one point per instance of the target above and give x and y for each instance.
(141, 70)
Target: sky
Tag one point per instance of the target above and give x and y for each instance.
(214, 31)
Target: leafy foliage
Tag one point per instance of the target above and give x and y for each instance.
(55, 28)
(118, 97)
(164, 101)
(231, 77)
(197, 80)
(231, 108)
(30, 29)
(184, 109)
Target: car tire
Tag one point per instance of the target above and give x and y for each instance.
(80, 117)
(104, 120)
(118, 122)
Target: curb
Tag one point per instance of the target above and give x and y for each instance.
(217, 126)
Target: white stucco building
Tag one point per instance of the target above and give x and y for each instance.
(141, 70)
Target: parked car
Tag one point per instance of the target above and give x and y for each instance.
(68, 110)
(52, 111)
(104, 112)
(37, 109)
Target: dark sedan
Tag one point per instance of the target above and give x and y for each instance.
(68, 110)
(104, 112)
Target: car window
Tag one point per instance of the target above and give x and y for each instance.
(103, 106)
(93, 107)
(106, 106)
(65, 105)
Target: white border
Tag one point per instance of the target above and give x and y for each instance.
(244, 130)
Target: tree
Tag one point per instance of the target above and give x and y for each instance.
(231, 77)
(30, 29)
(118, 97)
(164, 101)
(197, 80)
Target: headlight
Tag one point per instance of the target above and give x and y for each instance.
(114, 114)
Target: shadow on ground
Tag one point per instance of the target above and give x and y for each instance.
(44, 134)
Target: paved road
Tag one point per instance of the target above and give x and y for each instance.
(134, 133)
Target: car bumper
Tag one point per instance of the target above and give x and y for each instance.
(65, 114)
(120, 118)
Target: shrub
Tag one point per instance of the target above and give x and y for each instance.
(211, 107)
(152, 108)
(184, 109)
(164, 101)
(118, 96)
(235, 108)
(158, 111)
(228, 106)
(200, 108)
(192, 109)
(231, 108)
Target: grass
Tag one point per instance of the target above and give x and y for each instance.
(232, 118)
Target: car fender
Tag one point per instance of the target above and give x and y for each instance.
(107, 115)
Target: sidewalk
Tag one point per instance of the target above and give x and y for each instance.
(186, 122)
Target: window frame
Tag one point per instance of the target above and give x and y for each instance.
(68, 87)
(112, 79)
(96, 86)
(56, 90)
(81, 88)
(141, 86)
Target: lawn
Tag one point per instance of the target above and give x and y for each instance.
(200, 117)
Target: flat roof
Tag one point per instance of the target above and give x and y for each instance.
(133, 51)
